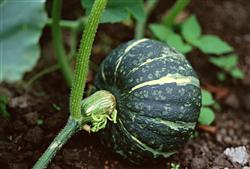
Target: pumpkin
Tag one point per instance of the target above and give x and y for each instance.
(158, 99)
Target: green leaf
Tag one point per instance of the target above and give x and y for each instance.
(225, 62)
(119, 10)
(217, 106)
(56, 107)
(228, 63)
(22, 23)
(191, 29)
(160, 31)
(221, 76)
(1, 1)
(167, 35)
(237, 73)
(3, 106)
(175, 41)
(210, 44)
(206, 116)
(39, 122)
(207, 98)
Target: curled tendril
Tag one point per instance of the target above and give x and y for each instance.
(99, 121)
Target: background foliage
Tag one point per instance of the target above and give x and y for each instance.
(22, 25)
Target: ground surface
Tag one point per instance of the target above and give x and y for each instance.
(22, 140)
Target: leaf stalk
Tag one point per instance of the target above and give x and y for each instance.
(175, 10)
(58, 42)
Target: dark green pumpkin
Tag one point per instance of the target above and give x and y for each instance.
(158, 99)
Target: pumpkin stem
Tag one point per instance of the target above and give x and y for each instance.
(70, 128)
(96, 110)
(99, 107)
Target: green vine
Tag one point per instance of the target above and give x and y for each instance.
(82, 60)
(92, 113)
(58, 43)
(70, 128)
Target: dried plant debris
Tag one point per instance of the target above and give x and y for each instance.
(237, 154)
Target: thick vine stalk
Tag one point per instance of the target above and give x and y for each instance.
(93, 111)
(70, 128)
(82, 60)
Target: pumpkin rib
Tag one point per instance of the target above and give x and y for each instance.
(148, 61)
(163, 55)
(131, 121)
(142, 121)
(145, 147)
(160, 118)
(174, 126)
(156, 71)
(192, 107)
(178, 79)
(128, 48)
(103, 74)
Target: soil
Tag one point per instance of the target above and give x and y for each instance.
(22, 139)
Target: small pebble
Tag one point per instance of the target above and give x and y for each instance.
(19, 102)
(199, 163)
(228, 140)
(85, 149)
(34, 136)
(232, 101)
(71, 154)
(19, 166)
(247, 37)
(31, 118)
(54, 166)
(245, 101)
(221, 161)
(219, 137)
